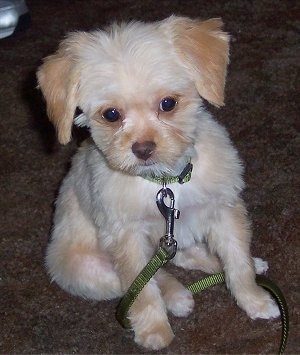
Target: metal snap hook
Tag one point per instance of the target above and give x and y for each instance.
(170, 214)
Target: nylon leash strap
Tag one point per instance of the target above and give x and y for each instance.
(159, 260)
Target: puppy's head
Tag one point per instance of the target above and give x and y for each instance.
(139, 87)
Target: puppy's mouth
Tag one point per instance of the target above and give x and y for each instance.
(146, 159)
(152, 167)
(145, 163)
(143, 167)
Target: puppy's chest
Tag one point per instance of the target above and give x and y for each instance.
(192, 224)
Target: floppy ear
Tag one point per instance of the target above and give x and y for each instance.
(204, 49)
(58, 81)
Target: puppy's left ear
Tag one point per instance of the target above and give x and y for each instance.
(58, 81)
(203, 48)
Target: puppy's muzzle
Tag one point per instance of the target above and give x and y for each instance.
(143, 150)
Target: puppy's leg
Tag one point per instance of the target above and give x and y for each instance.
(230, 238)
(147, 315)
(74, 259)
(198, 257)
(177, 298)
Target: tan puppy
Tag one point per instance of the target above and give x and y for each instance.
(140, 87)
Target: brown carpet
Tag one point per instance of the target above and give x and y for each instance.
(262, 115)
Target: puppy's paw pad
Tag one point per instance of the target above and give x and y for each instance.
(261, 266)
(156, 339)
(181, 304)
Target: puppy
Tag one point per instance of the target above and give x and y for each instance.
(141, 89)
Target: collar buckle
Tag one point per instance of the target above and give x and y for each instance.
(185, 175)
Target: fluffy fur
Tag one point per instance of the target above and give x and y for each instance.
(106, 223)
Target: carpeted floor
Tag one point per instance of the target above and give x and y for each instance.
(262, 116)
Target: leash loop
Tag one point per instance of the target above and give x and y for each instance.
(169, 245)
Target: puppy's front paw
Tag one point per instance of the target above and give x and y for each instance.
(261, 306)
(154, 337)
(151, 326)
(180, 303)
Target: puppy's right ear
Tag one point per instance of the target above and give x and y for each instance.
(58, 80)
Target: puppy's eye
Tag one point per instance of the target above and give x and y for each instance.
(111, 114)
(167, 104)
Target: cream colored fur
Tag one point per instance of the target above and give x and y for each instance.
(106, 224)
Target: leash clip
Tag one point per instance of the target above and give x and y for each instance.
(167, 242)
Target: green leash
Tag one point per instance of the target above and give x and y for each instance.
(167, 251)
(162, 257)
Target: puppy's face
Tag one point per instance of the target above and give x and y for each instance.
(141, 108)
(138, 86)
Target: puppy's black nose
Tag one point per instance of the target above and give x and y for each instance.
(143, 150)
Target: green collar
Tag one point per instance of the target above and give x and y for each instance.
(182, 178)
